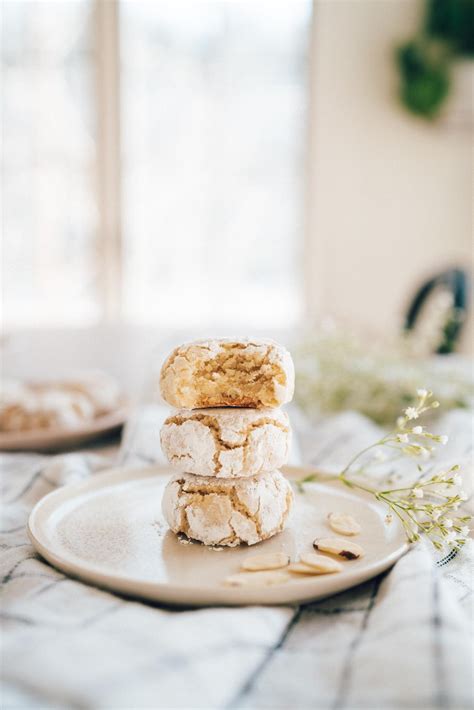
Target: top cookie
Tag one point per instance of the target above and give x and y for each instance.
(228, 372)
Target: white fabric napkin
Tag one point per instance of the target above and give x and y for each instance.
(401, 640)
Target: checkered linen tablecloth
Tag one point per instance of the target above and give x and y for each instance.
(402, 640)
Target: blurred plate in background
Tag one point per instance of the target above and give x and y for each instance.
(56, 439)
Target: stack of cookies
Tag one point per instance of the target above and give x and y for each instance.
(227, 439)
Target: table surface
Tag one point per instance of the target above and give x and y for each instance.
(401, 640)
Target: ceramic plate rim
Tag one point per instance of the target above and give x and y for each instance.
(298, 591)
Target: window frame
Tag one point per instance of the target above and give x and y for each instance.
(108, 157)
(109, 170)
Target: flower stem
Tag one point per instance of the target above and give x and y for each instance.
(357, 456)
(416, 518)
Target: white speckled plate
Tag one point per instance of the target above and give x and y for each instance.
(58, 439)
(109, 531)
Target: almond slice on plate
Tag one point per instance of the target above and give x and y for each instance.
(344, 524)
(338, 546)
(270, 560)
(320, 563)
(256, 579)
(300, 568)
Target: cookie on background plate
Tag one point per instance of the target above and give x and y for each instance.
(228, 372)
(66, 404)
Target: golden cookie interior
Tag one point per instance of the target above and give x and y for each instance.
(228, 373)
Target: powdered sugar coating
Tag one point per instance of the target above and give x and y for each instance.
(228, 442)
(227, 511)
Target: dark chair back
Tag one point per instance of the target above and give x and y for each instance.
(456, 282)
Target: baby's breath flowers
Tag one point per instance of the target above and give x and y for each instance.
(339, 369)
(428, 506)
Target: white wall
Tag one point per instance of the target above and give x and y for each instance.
(391, 195)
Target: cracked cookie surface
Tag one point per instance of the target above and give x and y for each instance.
(228, 442)
(220, 511)
(228, 372)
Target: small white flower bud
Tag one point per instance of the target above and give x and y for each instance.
(417, 492)
(422, 393)
(403, 438)
(443, 439)
(417, 430)
(464, 531)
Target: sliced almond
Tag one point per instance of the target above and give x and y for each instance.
(255, 579)
(339, 546)
(270, 560)
(300, 568)
(344, 524)
(320, 563)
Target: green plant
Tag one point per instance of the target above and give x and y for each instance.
(425, 62)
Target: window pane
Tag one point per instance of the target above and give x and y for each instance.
(213, 119)
(49, 212)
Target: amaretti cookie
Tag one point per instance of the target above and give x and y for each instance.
(228, 373)
(63, 404)
(23, 408)
(222, 511)
(228, 442)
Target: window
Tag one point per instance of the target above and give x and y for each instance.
(50, 241)
(213, 99)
